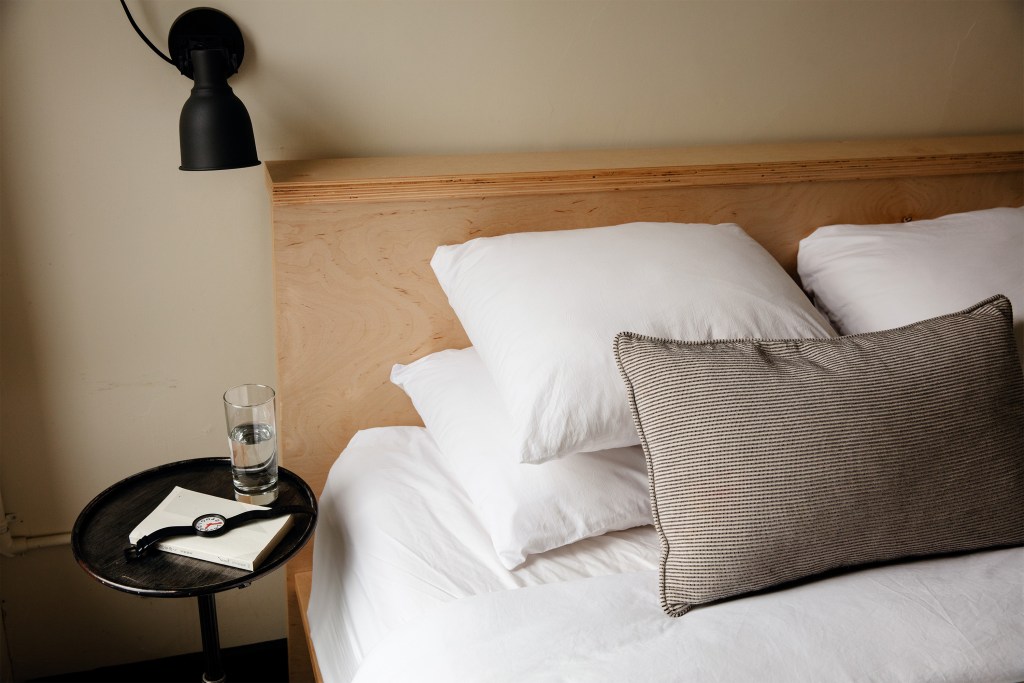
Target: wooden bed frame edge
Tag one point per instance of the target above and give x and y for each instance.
(303, 589)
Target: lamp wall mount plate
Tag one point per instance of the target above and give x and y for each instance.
(204, 28)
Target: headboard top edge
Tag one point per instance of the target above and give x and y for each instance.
(354, 169)
(416, 177)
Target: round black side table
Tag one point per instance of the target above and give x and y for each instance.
(100, 536)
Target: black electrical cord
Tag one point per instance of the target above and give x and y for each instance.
(143, 35)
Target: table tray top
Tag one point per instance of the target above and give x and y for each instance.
(100, 534)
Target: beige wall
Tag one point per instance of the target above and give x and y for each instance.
(134, 294)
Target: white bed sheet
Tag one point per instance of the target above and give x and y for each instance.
(407, 587)
(397, 537)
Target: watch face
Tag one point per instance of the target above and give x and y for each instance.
(208, 523)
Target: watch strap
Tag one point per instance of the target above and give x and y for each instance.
(139, 549)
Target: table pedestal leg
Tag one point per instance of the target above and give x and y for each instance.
(214, 672)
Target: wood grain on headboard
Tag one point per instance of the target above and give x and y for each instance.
(353, 239)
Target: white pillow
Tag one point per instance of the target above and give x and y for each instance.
(867, 278)
(526, 509)
(543, 308)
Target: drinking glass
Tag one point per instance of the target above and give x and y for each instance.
(252, 436)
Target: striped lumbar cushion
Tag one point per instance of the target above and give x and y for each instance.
(774, 460)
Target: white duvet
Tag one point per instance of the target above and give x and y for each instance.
(407, 588)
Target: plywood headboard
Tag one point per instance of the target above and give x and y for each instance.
(353, 239)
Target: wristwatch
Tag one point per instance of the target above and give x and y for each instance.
(209, 525)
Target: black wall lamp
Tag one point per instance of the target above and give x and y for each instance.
(215, 129)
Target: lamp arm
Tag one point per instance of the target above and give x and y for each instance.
(143, 35)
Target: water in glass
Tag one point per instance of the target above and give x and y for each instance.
(254, 460)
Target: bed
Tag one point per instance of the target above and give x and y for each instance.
(406, 571)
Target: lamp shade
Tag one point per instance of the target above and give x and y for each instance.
(215, 128)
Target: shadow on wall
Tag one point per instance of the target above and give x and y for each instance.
(23, 421)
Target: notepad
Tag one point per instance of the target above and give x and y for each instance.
(245, 547)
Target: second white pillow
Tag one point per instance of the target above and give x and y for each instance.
(526, 509)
